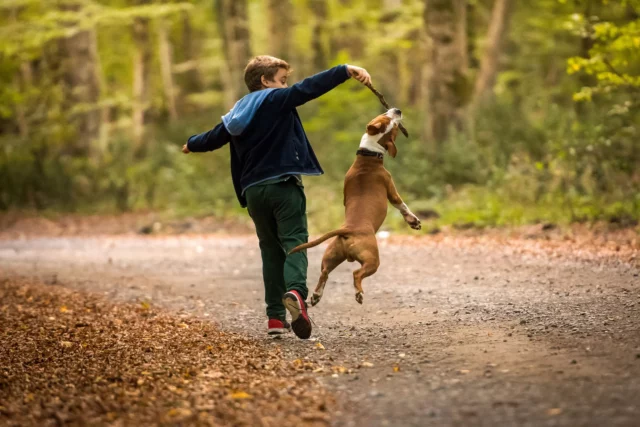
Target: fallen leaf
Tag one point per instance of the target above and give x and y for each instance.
(554, 411)
(63, 309)
(464, 371)
(339, 369)
(178, 412)
(183, 326)
(319, 346)
(367, 365)
(396, 369)
(240, 395)
(145, 305)
(66, 344)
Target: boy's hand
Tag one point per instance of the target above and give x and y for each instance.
(185, 149)
(360, 74)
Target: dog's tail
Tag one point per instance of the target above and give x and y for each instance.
(334, 233)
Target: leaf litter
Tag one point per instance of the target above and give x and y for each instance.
(96, 362)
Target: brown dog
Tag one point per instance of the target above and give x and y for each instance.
(367, 187)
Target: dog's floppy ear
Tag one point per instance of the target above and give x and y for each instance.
(390, 145)
(378, 125)
(374, 127)
(391, 148)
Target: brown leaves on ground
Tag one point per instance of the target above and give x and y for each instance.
(68, 357)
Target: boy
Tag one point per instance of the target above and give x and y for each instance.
(269, 154)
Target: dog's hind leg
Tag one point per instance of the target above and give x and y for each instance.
(333, 257)
(370, 264)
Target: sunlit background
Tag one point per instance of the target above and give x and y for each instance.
(518, 111)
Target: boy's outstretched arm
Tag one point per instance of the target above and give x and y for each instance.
(317, 85)
(207, 141)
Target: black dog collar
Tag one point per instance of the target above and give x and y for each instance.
(363, 152)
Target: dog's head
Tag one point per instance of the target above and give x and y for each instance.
(383, 131)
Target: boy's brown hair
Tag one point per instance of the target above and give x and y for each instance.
(259, 66)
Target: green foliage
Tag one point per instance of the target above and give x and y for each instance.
(614, 59)
(558, 141)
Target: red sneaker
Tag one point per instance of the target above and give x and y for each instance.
(278, 327)
(300, 322)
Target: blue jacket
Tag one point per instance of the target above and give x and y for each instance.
(266, 134)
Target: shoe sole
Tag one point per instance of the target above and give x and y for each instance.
(301, 326)
(277, 331)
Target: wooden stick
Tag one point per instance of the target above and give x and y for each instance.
(386, 105)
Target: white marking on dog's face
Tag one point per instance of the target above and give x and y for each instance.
(383, 124)
(394, 114)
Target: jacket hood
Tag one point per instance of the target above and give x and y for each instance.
(243, 112)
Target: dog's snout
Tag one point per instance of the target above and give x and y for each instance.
(398, 112)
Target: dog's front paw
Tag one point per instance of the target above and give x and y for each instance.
(414, 222)
(315, 299)
(359, 297)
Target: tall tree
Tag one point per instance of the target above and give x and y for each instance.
(498, 28)
(141, 71)
(192, 81)
(81, 82)
(320, 12)
(280, 24)
(445, 21)
(233, 27)
(166, 65)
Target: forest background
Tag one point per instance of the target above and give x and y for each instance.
(518, 111)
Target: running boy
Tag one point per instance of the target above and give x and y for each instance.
(269, 154)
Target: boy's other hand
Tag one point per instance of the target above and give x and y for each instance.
(185, 149)
(360, 74)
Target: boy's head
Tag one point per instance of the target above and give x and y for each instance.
(264, 72)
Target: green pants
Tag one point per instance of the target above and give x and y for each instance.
(278, 211)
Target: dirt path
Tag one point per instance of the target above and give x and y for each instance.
(449, 334)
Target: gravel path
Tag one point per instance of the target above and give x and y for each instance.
(449, 334)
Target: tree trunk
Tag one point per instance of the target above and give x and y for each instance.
(318, 42)
(448, 87)
(586, 44)
(280, 14)
(81, 85)
(192, 78)
(141, 68)
(166, 64)
(233, 27)
(24, 81)
(417, 66)
(460, 13)
(498, 28)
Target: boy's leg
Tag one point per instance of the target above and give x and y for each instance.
(290, 211)
(289, 207)
(273, 256)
